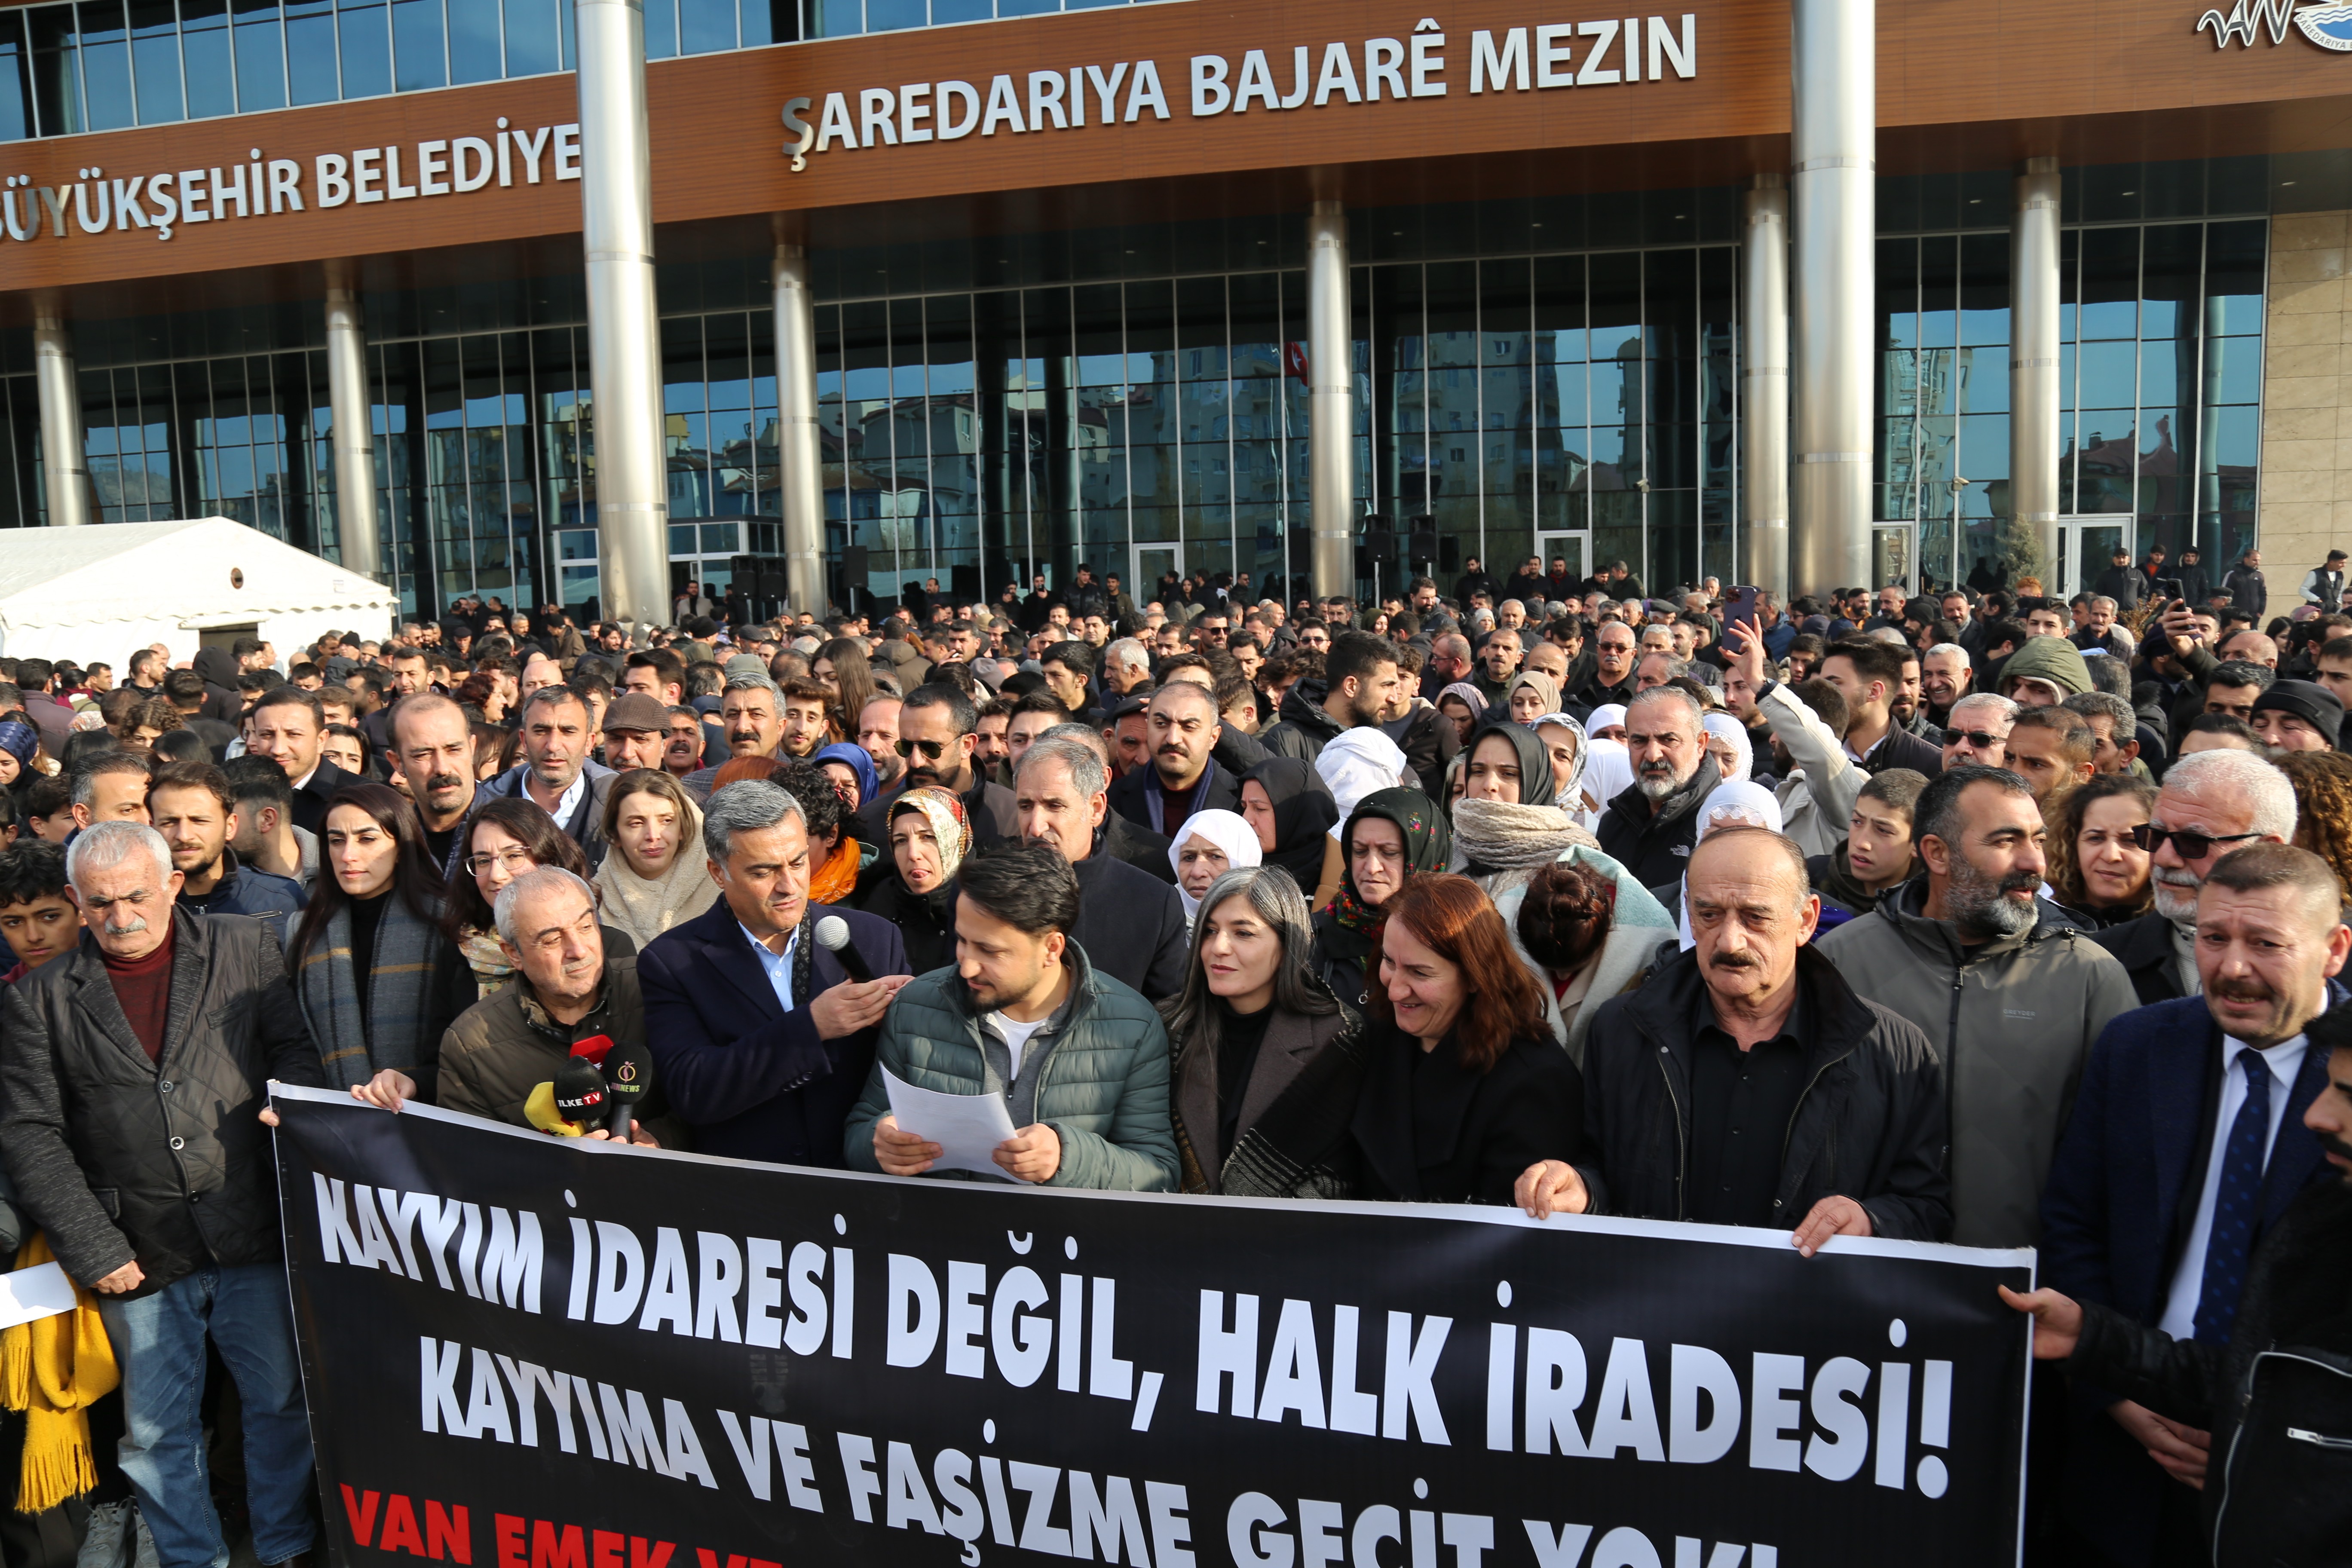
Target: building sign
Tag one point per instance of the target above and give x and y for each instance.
(1330, 74)
(2328, 25)
(168, 200)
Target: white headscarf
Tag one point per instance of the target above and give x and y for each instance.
(1604, 717)
(1734, 804)
(1358, 761)
(1228, 832)
(1725, 728)
(1565, 791)
(1608, 773)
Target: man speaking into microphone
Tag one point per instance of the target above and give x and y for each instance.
(567, 1000)
(761, 1033)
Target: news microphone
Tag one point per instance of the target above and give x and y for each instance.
(579, 1094)
(628, 1074)
(833, 935)
(593, 1049)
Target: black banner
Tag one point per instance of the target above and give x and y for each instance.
(523, 1352)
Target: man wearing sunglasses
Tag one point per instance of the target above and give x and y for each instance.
(937, 734)
(2210, 803)
(1978, 733)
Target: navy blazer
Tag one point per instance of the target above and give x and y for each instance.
(2118, 1207)
(753, 1081)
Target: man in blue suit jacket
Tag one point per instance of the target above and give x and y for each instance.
(2168, 1141)
(760, 1039)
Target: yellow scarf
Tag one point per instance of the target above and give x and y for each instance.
(54, 1369)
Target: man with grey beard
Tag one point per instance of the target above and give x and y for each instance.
(2009, 998)
(1650, 826)
(2212, 803)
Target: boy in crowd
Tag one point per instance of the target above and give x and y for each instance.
(1876, 854)
(37, 919)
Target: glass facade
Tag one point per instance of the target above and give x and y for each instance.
(1554, 378)
(103, 65)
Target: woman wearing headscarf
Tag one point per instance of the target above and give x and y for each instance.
(1392, 836)
(929, 837)
(1727, 743)
(1355, 763)
(852, 770)
(1563, 741)
(1606, 722)
(655, 875)
(377, 979)
(1530, 694)
(1208, 845)
(1464, 704)
(1507, 763)
(20, 744)
(1292, 810)
(1268, 1063)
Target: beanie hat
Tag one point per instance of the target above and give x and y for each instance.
(2307, 700)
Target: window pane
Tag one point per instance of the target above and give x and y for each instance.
(156, 58)
(16, 79)
(473, 42)
(531, 37)
(418, 60)
(56, 70)
(366, 50)
(260, 56)
(661, 29)
(106, 65)
(203, 43)
(311, 51)
(704, 26)
(837, 18)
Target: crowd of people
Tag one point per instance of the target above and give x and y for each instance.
(1987, 917)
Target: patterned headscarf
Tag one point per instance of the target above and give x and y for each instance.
(944, 811)
(19, 740)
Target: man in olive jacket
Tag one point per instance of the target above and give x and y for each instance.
(1081, 1060)
(2009, 998)
(134, 1074)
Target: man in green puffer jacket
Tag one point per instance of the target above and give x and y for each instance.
(1080, 1058)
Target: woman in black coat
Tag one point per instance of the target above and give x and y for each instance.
(1466, 1088)
(913, 886)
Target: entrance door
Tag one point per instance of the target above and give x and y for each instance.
(1895, 556)
(2086, 545)
(1574, 548)
(1150, 562)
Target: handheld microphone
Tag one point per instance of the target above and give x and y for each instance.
(628, 1074)
(593, 1049)
(579, 1094)
(833, 935)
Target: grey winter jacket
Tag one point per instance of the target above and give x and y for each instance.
(122, 1158)
(1099, 1078)
(2012, 1020)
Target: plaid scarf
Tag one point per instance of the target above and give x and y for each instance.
(356, 1045)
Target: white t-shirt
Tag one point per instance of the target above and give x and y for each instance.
(1016, 1036)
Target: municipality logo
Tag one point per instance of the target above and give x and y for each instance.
(2329, 25)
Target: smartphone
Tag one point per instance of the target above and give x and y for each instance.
(1741, 608)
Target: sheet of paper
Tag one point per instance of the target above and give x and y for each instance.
(966, 1127)
(40, 1292)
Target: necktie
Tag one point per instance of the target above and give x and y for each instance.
(2236, 1205)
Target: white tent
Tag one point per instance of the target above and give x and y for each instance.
(100, 591)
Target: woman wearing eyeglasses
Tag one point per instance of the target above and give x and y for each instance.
(505, 839)
(2096, 869)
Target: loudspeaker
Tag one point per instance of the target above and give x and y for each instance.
(853, 565)
(771, 580)
(1449, 552)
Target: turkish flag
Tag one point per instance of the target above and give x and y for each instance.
(1294, 360)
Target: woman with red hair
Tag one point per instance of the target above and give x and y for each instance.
(1464, 1084)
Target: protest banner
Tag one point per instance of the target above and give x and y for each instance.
(523, 1352)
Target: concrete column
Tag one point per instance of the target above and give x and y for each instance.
(2034, 391)
(361, 545)
(1330, 403)
(623, 326)
(65, 469)
(1832, 148)
(1764, 386)
(799, 454)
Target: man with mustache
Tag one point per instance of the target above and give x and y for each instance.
(433, 744)
(1944, 678)
(937, 734)
(1649, 827)
(1711, 1091)
(2011, 997)
(1182, 728)
(184, 1244)
(2210, 803)
(2186, 1146)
